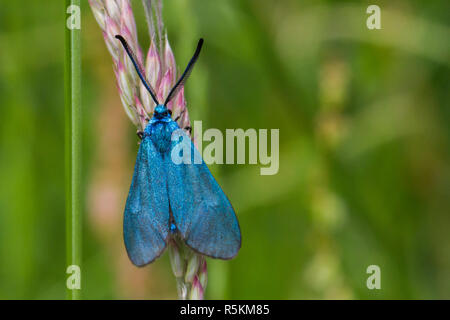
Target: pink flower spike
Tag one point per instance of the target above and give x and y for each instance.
(164, 88)
(130, 37)
(111, 48)
(127, 17)
(111, 29)
(203, 266)
(111, 25)
(185, 122)
(131, 72)
(131, 112)
(179, 109)
(113, 9)
(169, 59)
(126, 33)
(142, 114)
(96, 4)
(196, 290)
(139, 106)
(178, 105)
(153, 75)
(122, 79)
(179, 101)
(153, 65)
(99, 13)
(120, 66)
(116, 73)
(203, 274)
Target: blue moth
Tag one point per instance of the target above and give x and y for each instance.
(173, 193)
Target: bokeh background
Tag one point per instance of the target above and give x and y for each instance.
(364, 148)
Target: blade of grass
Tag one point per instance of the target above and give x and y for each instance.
(72, 78)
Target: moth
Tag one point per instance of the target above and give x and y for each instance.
(170, 198)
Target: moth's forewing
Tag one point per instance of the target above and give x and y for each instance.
(202, 212)
(146, 217)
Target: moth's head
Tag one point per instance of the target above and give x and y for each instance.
(161, 112)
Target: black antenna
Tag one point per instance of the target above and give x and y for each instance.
(185, 74)
(137, 67)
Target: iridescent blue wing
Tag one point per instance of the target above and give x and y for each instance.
(146, 219)
(203, 214)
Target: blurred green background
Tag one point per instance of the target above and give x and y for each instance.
(364, 148)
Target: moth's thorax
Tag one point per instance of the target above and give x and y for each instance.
(160, 129)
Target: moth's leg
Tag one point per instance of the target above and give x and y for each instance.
(140, 134)
(179, 116)
(188, 128)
